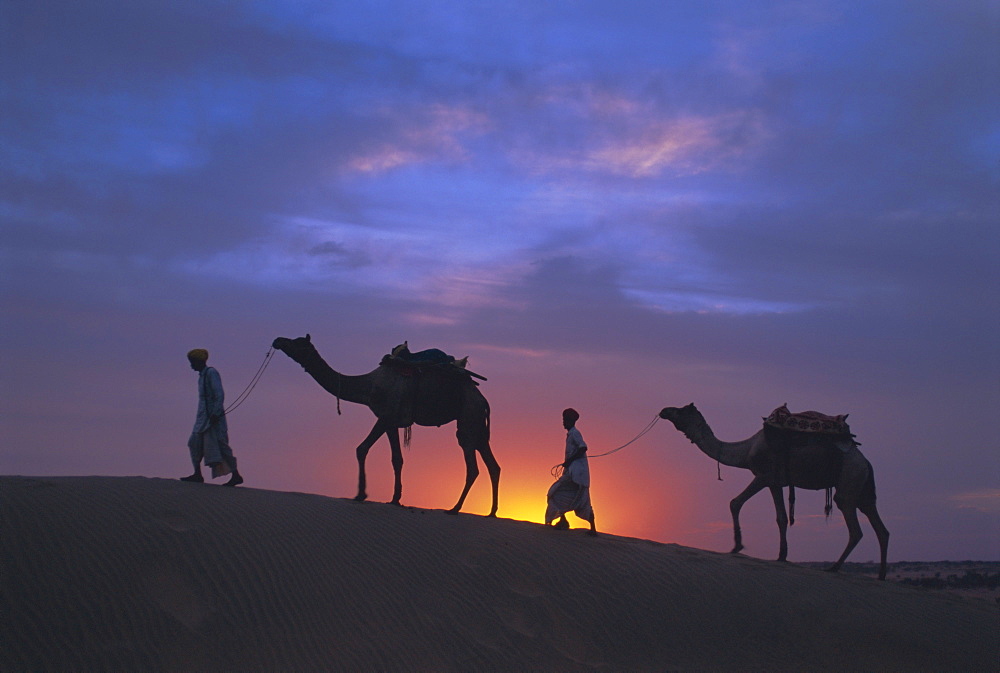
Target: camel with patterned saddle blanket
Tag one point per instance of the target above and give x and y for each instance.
(824, 456)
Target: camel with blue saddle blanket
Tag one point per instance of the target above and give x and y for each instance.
(429, 389)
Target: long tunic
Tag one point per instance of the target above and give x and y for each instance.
(210, 435)
(571, 493)
(579, 470)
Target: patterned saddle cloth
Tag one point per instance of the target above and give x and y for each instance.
(810, 421)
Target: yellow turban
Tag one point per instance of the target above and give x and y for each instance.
(198, 354)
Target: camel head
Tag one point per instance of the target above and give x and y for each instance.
(686, 419)
(294, 348)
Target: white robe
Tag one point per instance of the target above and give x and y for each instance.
(571, 493)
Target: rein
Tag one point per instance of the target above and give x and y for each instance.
(242, 397)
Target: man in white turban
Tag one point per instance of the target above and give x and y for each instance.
(571, 493)
(210, 438)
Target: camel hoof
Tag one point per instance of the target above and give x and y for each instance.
(453, 510)
(737, 549)
(833, 569)
(360, 497)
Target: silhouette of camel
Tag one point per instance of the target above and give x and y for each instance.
(400, 397)
(812, 464)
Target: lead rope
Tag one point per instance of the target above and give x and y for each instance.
(631, 441)
(556, 470)
(242, 397)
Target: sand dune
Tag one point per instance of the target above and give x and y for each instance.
(136, 574)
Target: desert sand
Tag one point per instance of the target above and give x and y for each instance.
(139, 574)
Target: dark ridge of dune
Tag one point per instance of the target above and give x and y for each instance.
(137, 574)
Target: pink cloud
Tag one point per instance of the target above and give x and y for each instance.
(987, 501)
(429, 134)
(685, 146)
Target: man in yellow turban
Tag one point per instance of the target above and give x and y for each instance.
(210, 437)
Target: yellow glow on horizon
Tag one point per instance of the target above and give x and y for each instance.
(523, 509)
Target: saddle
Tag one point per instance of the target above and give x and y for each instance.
(782, 425)
(410, 364)
(808, 421)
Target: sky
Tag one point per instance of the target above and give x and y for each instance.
(614, 206)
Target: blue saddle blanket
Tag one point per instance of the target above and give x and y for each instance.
(432, 356)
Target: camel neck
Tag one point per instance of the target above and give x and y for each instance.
(733, 454)
(355, 389)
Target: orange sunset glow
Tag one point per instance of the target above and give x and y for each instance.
(633, 491)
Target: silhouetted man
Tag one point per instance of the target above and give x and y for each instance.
(210, 438)
(571, 493)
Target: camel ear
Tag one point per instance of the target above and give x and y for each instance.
(309, 337)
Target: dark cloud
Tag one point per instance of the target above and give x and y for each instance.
(341, 255)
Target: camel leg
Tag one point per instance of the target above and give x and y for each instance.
(881, 532)
(362, 452)
(854, 536)
(779, 509)
(755, 487)
(493, 467)
(473, 435)
(471, 472)
(397, 463)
